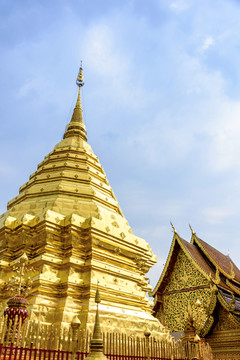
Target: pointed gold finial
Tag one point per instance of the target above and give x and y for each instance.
(193, 233)
(174, 230)
(97, 330)
(80, 79)
(96, 345)
(76, 127)
(97, 297)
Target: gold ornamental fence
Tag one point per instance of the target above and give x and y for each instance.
(35, 341)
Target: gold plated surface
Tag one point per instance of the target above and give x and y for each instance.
(69, 222)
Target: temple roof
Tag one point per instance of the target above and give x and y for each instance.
(205, 258)
(200, 261)
(192, 252)
(221, 274)
(223, 262)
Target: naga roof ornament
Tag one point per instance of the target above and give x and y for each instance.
(174, 230)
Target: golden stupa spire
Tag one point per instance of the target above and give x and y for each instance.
(96, 345)
(76, 127)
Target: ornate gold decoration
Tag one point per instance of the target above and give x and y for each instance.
(18, 284)
(226, 321)
(177, 241)
(193, 233)
(96, 346)
(76, 126)
(232, 287)
(196, 240)
(217, 279)
(174, 230)
(184, 276)
(190, 332)
(232, 272)
(77, 238)
(232, 303)
(185, 285)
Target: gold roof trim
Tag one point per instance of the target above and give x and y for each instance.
(232, 287)
(209, 311)
(153, 292)
(213, 302)
(232, 271)
(224, 303)
(217, 279)
(207, 326)
(190, 257)
(217, 266)
(177, 239)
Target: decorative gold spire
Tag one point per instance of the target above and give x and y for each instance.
(80, 79)
(96, 346)
(97, 331)
(76, 127)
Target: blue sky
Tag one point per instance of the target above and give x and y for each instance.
(161, 104)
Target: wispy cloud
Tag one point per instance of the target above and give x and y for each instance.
(179, 5)
(208, 42)
(216, 215)
(162, 110)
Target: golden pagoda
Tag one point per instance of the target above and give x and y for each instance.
(67, 220)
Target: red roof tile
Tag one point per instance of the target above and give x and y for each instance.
(194, 252)
(222, 261)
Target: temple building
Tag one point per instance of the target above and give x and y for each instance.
(68, 221)
(201, 278)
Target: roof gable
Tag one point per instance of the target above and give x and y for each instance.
(192, 254)
(219, 260)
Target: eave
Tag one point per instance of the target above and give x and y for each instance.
(199, 243)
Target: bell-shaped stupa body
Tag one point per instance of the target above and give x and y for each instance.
(68, 221)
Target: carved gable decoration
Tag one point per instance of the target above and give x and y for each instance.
(225, 321)
(184, 275)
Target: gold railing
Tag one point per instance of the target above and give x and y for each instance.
(117, 346)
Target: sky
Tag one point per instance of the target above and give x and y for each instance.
(161, 103)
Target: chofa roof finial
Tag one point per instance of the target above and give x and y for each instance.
(193, 233)
(174, 230)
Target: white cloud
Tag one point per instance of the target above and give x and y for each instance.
(102, 53)
(208, 42)
(30, 85)
(215, 215)
(143, 60)
(224, 129)
(112, 64)
(179, 5)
